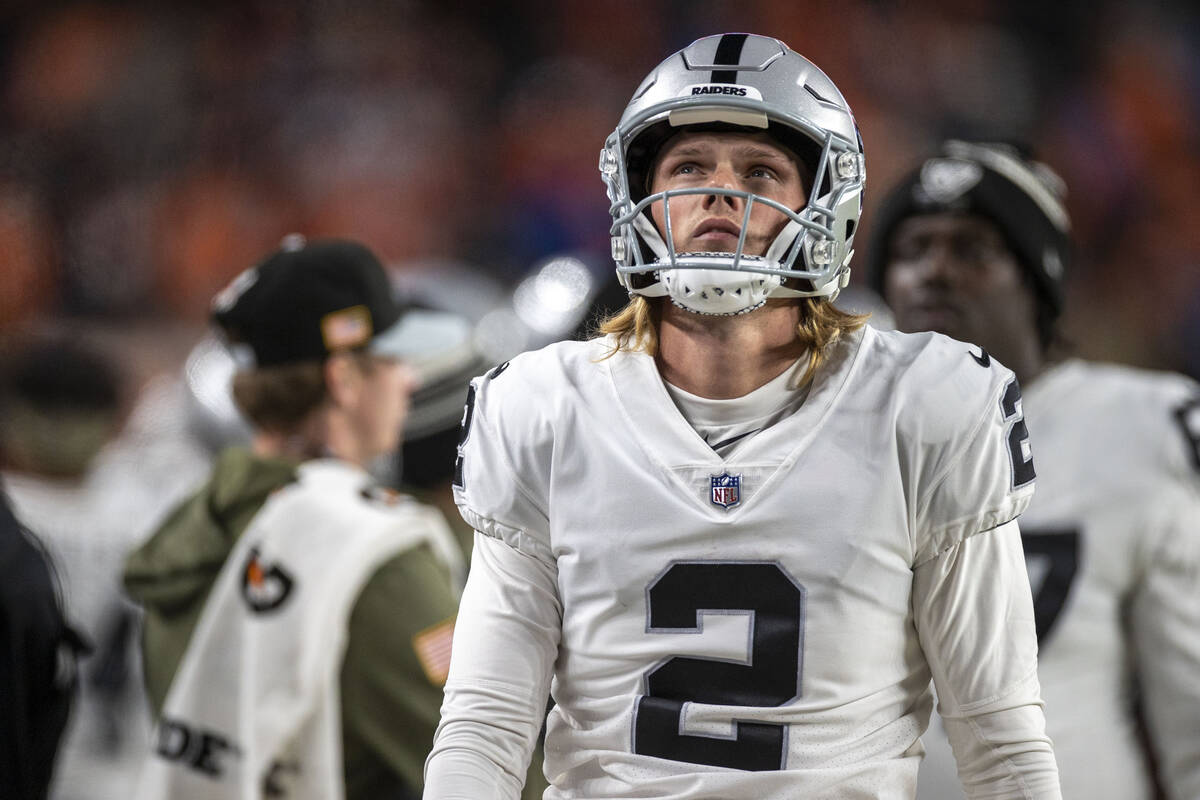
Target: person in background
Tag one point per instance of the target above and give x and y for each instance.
(297, 615)
(974, 243)
(460, 311)
(736, 535)
(63, 403)
(446, 353)
(37, 662)
(447, 360)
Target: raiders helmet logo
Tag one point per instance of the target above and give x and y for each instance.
(265, 587)
(944, 180)
(1051, 263)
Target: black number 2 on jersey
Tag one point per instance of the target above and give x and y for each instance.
(464, 431)
(1188, 417)
(1018, 436)
(774, 603)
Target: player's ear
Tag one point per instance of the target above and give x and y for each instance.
(343, 379)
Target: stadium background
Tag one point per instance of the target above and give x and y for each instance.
(151, 151)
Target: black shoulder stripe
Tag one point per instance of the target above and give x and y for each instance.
(1188, 417)
(729, 51)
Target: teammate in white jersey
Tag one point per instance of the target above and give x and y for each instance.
(736, 536)
(973, 244)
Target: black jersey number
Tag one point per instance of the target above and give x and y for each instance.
(677, 600)
(1018, 436)
(463, 432)
(1052, 558)
(1188, 417)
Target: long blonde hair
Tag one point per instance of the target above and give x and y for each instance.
(635, 328)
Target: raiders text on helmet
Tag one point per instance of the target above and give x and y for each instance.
(729, 82)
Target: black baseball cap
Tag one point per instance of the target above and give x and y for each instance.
(310, 299)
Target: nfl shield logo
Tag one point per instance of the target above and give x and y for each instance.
(726, 490)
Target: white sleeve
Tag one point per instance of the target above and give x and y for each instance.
(505, 643)
(1165, 624)
(502, 480)
(980, 478)
(974, 616)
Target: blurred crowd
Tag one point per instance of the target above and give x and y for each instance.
(152, 151)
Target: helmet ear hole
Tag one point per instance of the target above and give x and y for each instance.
(648, 255)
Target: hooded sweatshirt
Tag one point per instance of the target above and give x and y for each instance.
(398, 630)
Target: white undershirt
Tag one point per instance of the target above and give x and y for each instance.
(726, 425)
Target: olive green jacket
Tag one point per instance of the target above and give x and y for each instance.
(390, 706)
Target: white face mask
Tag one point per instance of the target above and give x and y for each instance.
(718, 292)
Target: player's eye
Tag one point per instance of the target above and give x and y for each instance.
(975, 250)
(910, 248)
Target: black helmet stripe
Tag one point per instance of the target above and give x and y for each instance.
(729, 51)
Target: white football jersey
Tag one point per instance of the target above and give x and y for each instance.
(763, 625)
(1113, 549)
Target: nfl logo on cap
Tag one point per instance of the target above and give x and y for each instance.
(726, 490)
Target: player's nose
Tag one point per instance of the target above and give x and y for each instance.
(722, 177)
(937, 264)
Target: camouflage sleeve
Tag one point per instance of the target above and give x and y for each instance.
(393, 672)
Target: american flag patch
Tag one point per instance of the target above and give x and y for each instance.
(432, 647)
(349, 327)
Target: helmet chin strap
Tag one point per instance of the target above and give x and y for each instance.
(651, 237)
(718, 292)
(777, 252)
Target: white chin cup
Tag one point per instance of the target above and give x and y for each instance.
(718, 292)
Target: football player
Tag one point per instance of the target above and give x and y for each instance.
(973, 243)
(736, 535)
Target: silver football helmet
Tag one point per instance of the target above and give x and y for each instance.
(729, 82)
